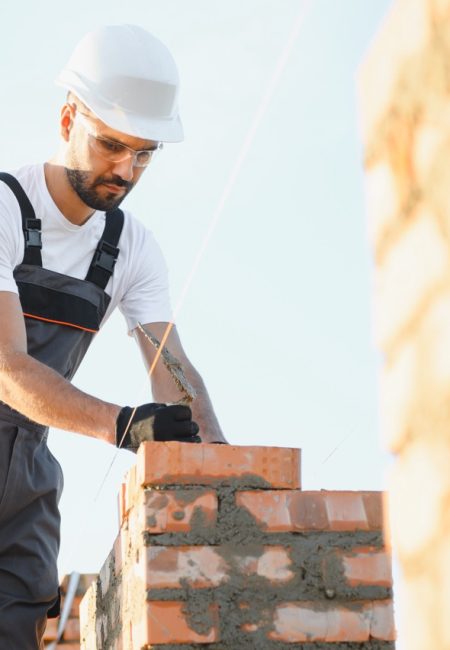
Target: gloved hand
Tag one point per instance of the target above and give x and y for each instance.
(159, 422)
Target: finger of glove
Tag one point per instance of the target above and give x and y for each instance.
(174, 430)
(191, 439)
(169, 419)
(146, 430)
(147, 410)
(179, 412)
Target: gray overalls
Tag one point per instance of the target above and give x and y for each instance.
(62, 315)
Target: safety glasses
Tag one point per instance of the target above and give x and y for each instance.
(115, 151)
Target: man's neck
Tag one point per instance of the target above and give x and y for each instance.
(62, 193)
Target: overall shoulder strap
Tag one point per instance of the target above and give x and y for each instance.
(105, 256)
(30, 225)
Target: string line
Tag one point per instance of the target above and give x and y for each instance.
(260, 112)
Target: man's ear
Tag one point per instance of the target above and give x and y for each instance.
(66, 121)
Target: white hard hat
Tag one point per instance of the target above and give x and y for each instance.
(129, 80)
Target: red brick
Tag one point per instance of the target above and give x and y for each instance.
(295, 622)
(374, 505)
(128, 494)
(118, 550)
(288, 511)
(274, 564)
(382, 624)
(122, 501)
(367, 567)
(171, 511)
(51, 629)
(75, 608)
(167, 622)
(162, 463)
(205, 566)
(307, 621)
(270, 509)
(346, 509)
(199, 566)
(72, 630)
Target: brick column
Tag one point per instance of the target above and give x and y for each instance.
(70, 638)
(219, 546)
(405, 114)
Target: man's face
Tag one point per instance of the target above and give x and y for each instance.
(100, 163)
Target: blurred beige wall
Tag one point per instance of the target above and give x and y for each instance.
(404, 89)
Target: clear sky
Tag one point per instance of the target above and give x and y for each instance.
(277, 318)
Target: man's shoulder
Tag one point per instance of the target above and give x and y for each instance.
(135, 229)
(26, 172)
(27, 176)
(139, 244)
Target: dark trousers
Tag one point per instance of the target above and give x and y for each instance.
(31, 483)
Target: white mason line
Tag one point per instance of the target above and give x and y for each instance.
(260, 112)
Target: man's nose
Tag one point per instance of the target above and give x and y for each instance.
(125, 168)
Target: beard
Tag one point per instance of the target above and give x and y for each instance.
(86, 190)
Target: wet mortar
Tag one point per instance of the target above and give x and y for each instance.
(109, 628)
(244, 599)
(276, 645)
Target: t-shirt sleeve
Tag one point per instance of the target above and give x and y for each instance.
(10, 239)
(147, 297)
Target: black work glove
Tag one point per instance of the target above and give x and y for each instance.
(160, 422)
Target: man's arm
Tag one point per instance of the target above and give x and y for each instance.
(40, 393)
(163, 385)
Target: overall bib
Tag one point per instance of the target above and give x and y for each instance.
(62, 315)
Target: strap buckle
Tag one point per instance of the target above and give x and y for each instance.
(32, 233)
(105, 256)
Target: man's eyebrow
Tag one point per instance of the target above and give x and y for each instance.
(116, 141)
(107, 137)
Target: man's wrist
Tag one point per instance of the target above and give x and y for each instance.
(215, 437)
(113, 411)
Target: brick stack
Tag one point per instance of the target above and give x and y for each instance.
(70, 639)
(405, 118)
(219, 546)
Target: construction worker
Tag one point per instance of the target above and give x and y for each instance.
(68, 256)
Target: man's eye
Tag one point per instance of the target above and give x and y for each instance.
(108, 145)
(144, 156)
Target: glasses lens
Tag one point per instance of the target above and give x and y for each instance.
(142, 158)
(114, 151)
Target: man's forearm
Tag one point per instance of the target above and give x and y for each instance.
(203, 412)
(42, 395)
(164, 390)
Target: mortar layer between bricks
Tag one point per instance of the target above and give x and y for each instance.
(108, 628)
(276, 645)
(237, 533)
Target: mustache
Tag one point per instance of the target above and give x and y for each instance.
(115, 180)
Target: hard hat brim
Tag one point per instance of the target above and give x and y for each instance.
(126, 122)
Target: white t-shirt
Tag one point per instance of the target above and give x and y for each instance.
(139, 284)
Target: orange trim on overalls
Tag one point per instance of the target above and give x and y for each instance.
(60, 322)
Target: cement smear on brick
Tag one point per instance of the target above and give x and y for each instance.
(108, 608)
(251, 599)
(276, 645)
